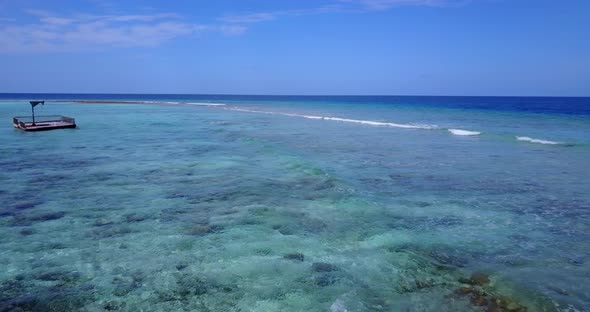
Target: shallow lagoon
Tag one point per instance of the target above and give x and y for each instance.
(174, 208)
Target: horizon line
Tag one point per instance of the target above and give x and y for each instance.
(304, 95)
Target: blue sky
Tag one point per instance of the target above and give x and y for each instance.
(376, 47)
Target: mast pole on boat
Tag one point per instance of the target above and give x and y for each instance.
(33, 104)
(33, 111)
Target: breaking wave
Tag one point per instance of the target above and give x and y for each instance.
(204, 104)
(358, 121)
(463, 132)
(458, 132)
(140, 102)
(533, 140)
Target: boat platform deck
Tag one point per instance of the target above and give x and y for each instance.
(43, 123)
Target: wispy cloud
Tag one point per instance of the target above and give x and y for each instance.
(80, 31)
(256, 17)
(339, 6)
(86, 31)
(388, 4)
(232, 29)
(252, 17)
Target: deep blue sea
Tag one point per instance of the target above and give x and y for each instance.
(296, 203)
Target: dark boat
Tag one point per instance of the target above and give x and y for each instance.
(42, 123)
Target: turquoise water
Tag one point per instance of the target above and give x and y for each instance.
(270, 207)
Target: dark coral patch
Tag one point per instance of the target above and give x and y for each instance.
(296, 256)
(202, 229)
(323, 267)
(26, 220)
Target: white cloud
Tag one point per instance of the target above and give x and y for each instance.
(50, 20)
(88, 32)
(232, 29)
(252, 17)
(256, 17)
(388, 4)
(339, 6)
(79, 31)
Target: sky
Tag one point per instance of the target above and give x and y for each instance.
(304, 47)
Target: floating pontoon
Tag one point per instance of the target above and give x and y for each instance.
(42, 123)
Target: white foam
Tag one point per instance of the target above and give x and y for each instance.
(249, 110)
(312, 117)
(366, 122)
(204, 104)
(463, 132)
(161, 102)
(169, 103)
(378, 123)
(533, 140)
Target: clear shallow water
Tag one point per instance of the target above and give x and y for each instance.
(255, 206)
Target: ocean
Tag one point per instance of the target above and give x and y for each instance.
(296, 203)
